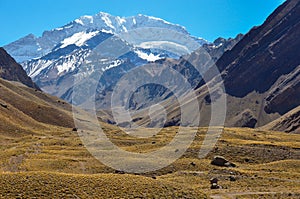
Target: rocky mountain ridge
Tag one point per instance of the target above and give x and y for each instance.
(12, 71)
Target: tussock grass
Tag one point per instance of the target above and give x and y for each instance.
(56, 164)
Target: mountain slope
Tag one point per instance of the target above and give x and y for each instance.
(266, 61)
(289, 122)
(24, 110)
(260, 73)
(12, 71)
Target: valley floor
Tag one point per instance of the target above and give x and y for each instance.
(55, 164)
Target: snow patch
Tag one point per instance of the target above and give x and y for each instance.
(79, 21)
(37, 69)
(107, 31)
(162, 45)
(149, 57)
(78, 38)
(65, 67)
(218, 46)
(67, 27)
(121, 20)
(112, 65)
(158, 19)
(58, 29)
(107, 21)
(125, 29)
(88, 17)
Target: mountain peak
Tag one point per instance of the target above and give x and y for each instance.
(117, 24)
(31, 47)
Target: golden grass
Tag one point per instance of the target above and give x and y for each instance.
(57, 185)
(56, 164)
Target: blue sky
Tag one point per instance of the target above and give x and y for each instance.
(203, 18)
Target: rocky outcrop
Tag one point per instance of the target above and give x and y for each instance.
(244, 119)
(285, 93)
(12, 71)
(290, 122)
(221, 45)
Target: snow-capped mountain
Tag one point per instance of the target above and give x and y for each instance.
(30, 47)
(53, 59)
(54, 72)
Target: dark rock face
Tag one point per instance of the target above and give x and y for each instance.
(245, 119)
(12, 71)
(285, 93)
(264, 56)
(222, 162)
(290, 122)
(221, 45)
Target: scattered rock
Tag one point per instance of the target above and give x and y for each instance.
(75, 129)
(221, 161)
(214, 180)
(119, 172)
(110, 121)
(173, 122)
(193, 164)
(137, 119)
(214, 183)
(232, 178)
(3, 105)
(215, 186)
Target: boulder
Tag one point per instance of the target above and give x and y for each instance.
(3, 105)
(214, 183)
(222, 162)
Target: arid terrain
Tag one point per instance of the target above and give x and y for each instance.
(50, 161)
(57, 165)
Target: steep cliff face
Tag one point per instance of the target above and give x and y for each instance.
(12, 71)
(289, 122)
(221, 45)
(266, 61)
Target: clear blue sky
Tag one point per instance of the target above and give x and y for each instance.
(203, 18)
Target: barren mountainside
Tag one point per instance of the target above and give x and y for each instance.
(24, 110)
(260, 73)
(289, 122)
(266, 61)
(12, 71)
